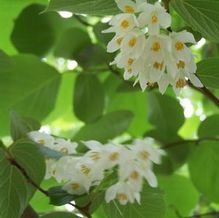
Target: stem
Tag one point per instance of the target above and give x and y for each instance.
(195, 141)
(207, 93)
(83, 210)
(29, 213)
(82, 21)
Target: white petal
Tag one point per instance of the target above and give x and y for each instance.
(151, 178)
(186, 37)
(153, 29)
(195, 80)
(165, 20)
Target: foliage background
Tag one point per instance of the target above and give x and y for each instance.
(56, 70)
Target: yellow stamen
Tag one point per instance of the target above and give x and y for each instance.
(150, 84)
(95, 155)
(129, 70)
(41, 141)
(132, 42)
(75, 186)
(122, 197)
(158, 66)
(114, 156)
(130, 61)
(180, 83)
(154, 19)
(181, 64)
(134, 175)
(156, 46)
(119, 40)
(85, 170)
(64, 151)
(129, 9)
(144, 155)
(179, 46)
(124, 24)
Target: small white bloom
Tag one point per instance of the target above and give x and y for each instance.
(42, 138)
(65, 146)
(50, 168)
(155, 16)
(123, 192)
(75, 186)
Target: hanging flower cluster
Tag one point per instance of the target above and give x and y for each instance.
(148, 51)
(132, 162)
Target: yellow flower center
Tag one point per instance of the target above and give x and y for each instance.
(154, 19)
(144, 155)
(119, 40)
(181, 65)
(130, 61)
(129, 70)
(150, 84)
(75, 186)
(132, 42)
(95, 155)
(124, 24)
(179, 46)
(158, 66)
(41, 141)
(129, 9)
(85, 170)
(114, 156)
(156, 47)
(180, 83)
(122, 197)
(64, 151)
(134, 175)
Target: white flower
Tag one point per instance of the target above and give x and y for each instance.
(75, 187)
(42, 138)
(64, 146)
(123, 192)
(155, 16)
(50, 168)
(122, 23)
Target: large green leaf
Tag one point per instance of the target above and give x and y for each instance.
(9, 11)
(20, 126)
(5, 61)
(108, 127)
(29, 24)
(165, 113)
(152, 205)
(60, 215)
(208, 72)
(201, 15)
(180, 195)
(71, 41)
(91, 7)
(209, 127)
(88, 97)
(204, 171)
(15, 190)
(29, 87)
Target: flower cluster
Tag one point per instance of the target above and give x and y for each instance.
(132, 162)
(148, 51)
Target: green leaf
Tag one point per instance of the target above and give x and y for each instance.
(71, 42)
(108, 127)
(29, 24)
(201, 15)
(5, 61)
(60, 215)
(20, 126)
(29, 88)
(88, 101)
(91, 7)
(208, 72)
(185, 199)
(165, 113)
(204, 171)
(209, 127)
(59, 197)
(29, 157)
(13, 190)
(152, 205)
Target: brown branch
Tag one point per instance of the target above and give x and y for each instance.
(195, 141)
(83, 210)
(206, 92)
(29, 213)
